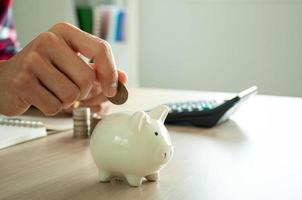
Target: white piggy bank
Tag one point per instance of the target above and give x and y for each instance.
(132, 145)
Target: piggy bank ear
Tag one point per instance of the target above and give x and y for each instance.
(137, 120)
(159, 113)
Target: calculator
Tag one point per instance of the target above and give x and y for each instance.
(206, 113)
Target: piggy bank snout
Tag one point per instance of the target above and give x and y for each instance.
(165, 154)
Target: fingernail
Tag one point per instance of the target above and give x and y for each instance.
(76, 104)
(112, 89)
(71, 105)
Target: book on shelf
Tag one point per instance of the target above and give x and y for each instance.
(105, 21)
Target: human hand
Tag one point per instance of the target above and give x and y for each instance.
(49, 74)
(96, 100)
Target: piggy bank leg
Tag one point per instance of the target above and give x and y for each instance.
(104, 176)
(153, 177)
(134, 181)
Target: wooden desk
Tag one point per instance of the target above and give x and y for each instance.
(257, 155)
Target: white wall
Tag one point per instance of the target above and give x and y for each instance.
(35, 16)
(223, 45)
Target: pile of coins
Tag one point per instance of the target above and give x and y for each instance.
(84, 121)
(81, 122)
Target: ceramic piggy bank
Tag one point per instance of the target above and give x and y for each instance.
(132, 145)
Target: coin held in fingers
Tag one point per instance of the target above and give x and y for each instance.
(121, 95)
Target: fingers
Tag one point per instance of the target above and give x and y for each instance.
(66, 61)
(96, 89)
(96, 109)
(101, 109)
(94, 48)
(96, 100)
(42, 99)
(97, 105)
(122, 76)
(55, 81)
(27, 89)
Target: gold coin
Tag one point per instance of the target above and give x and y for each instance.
(121, 95)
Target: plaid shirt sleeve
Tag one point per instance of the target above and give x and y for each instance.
(8, 37)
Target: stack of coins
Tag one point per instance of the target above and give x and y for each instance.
(81, 122)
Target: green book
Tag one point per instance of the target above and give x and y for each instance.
(84, 14)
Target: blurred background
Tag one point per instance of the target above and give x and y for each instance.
(212, 45)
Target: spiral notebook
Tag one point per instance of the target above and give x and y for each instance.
(15, 131)
(31, 125)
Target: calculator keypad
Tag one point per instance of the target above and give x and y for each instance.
(191, 106)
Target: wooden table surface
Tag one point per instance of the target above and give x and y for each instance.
(256, 155)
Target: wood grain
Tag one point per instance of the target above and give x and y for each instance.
(256, 155)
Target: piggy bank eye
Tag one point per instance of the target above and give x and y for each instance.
(156, 133)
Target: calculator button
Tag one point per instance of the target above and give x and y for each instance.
(206, 106)
(184, 106)
(199, 108)
(179, 109)
(190, 109)
(194, 106)
(174, 107)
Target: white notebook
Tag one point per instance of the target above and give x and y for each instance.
(15, 131)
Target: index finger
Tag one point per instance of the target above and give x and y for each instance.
(94, 48)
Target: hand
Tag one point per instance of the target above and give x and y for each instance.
(96, 100)
(49, 74)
